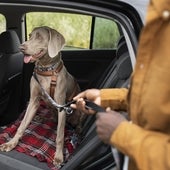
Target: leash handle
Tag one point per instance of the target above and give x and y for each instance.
(88, 105)
(93, 106)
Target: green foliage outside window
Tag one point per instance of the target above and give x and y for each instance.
(106, 34)
(2, 23)
(76, 29)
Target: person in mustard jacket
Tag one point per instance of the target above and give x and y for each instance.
(146, 139)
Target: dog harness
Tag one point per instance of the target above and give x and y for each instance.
(53, 71)
(50, 71)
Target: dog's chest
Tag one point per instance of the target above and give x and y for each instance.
(44, 83)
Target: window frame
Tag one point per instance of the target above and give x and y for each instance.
(91, 31)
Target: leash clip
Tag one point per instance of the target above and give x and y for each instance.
(67, 107)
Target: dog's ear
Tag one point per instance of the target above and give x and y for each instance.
(56, 43)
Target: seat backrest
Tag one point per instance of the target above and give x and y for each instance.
(118, 70)
(10, 55)
(11, 65)
(121, 69)
(116, 76)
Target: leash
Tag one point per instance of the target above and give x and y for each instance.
(66, 107)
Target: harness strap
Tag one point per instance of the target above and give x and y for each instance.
(53, 85)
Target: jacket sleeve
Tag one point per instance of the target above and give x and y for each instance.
(143, 146)
(115, 98)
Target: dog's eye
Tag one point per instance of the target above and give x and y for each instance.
(38, 36)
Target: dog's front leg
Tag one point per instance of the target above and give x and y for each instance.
(31, 110)
(58, 158)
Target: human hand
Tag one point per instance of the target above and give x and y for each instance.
(106, 124)
(92, 95)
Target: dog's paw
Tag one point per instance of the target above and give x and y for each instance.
(6, 147)
(58, 159)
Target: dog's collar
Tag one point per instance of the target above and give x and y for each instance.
(49, 68)
(49, 71)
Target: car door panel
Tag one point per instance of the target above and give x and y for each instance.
(87, 66)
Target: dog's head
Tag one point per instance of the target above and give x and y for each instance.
(43, 41)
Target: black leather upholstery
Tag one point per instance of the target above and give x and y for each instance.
(11, 65)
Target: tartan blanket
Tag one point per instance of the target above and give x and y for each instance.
(40, 136)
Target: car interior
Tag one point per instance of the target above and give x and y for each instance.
(92, 68)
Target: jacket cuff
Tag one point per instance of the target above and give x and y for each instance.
(114, 98)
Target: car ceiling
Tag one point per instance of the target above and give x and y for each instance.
(92, 7)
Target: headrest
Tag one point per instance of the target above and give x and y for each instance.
(9, 42)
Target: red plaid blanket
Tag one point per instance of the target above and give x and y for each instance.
(40, 136)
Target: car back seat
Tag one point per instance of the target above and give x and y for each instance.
(120, 68)
(11, 64)
(117, 75)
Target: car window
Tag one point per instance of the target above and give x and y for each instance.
(106, 33)
(80, 31)
(2, 23)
